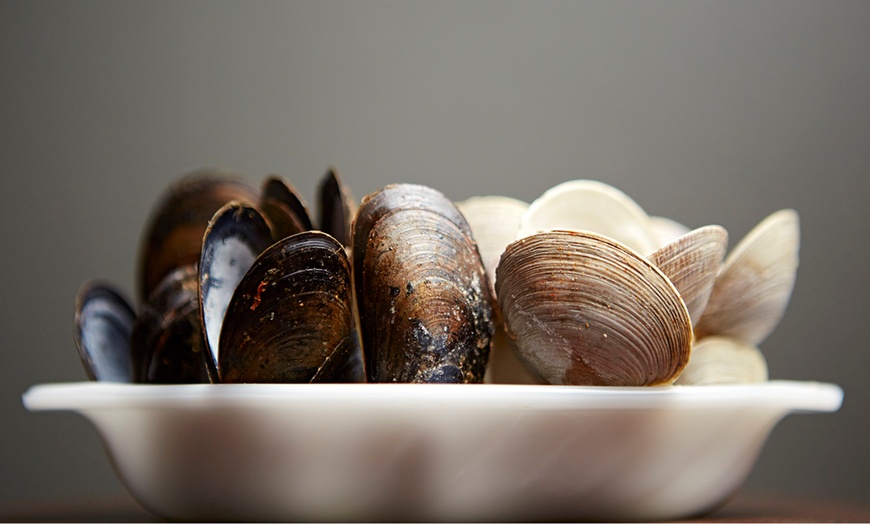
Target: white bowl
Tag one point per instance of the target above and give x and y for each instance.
(308, 452)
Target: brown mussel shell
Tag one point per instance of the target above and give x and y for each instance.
(586, 310)
(103, 324)
(291, 317)
(173, 237)
(423, 298)
(234, 239)
(284, 208)
(167, 343)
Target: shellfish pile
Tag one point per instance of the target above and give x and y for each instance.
(239, 283)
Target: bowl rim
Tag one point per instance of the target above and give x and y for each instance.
(786, 395)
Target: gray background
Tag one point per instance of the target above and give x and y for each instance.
(704, 112)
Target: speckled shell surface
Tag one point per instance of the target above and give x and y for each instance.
(424, 304)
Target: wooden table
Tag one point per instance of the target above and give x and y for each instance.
(744, 507)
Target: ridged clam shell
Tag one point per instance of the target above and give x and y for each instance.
(494, 222)
(589, 205)
(585, 309)
(724, 360)
(424, 304)
(752, 291)
(692, 263)
(291, 317)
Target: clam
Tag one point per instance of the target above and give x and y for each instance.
(173, 237)
(291, 316)
(752, 291)
(494, 223)
(748, 299)
(692, 263)
(724, 360)
(423, 299)
(103, 323)
(666, 230)
(584, 309)
(588, 205)
(167, 342)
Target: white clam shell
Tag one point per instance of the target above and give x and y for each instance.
(589, 205)
(585, 309)
(724, 360)
(494, 222)
(757, 278)
(666, 230)
(692, 263)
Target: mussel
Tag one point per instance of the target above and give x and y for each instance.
(103, 325)
(291, 317)
(233, 240)
(424, 302)
(167, 343)
(579, 287)
(337, 207)
(173, 237)
(203, 237)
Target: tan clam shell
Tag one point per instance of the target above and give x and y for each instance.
(755, 284)
(724, 360)
(589, 205)
(692, 263)
(585, 309)
(494, 222)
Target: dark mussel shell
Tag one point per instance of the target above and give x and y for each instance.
(234, 239)
(284, 208)
(167, 341)
(103, 324)
(174, 236)
(337, 207)
(291, 317)
(424, 301)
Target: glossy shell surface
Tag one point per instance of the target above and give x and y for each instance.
(291, 317)
(234, 239)
(103, 323)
